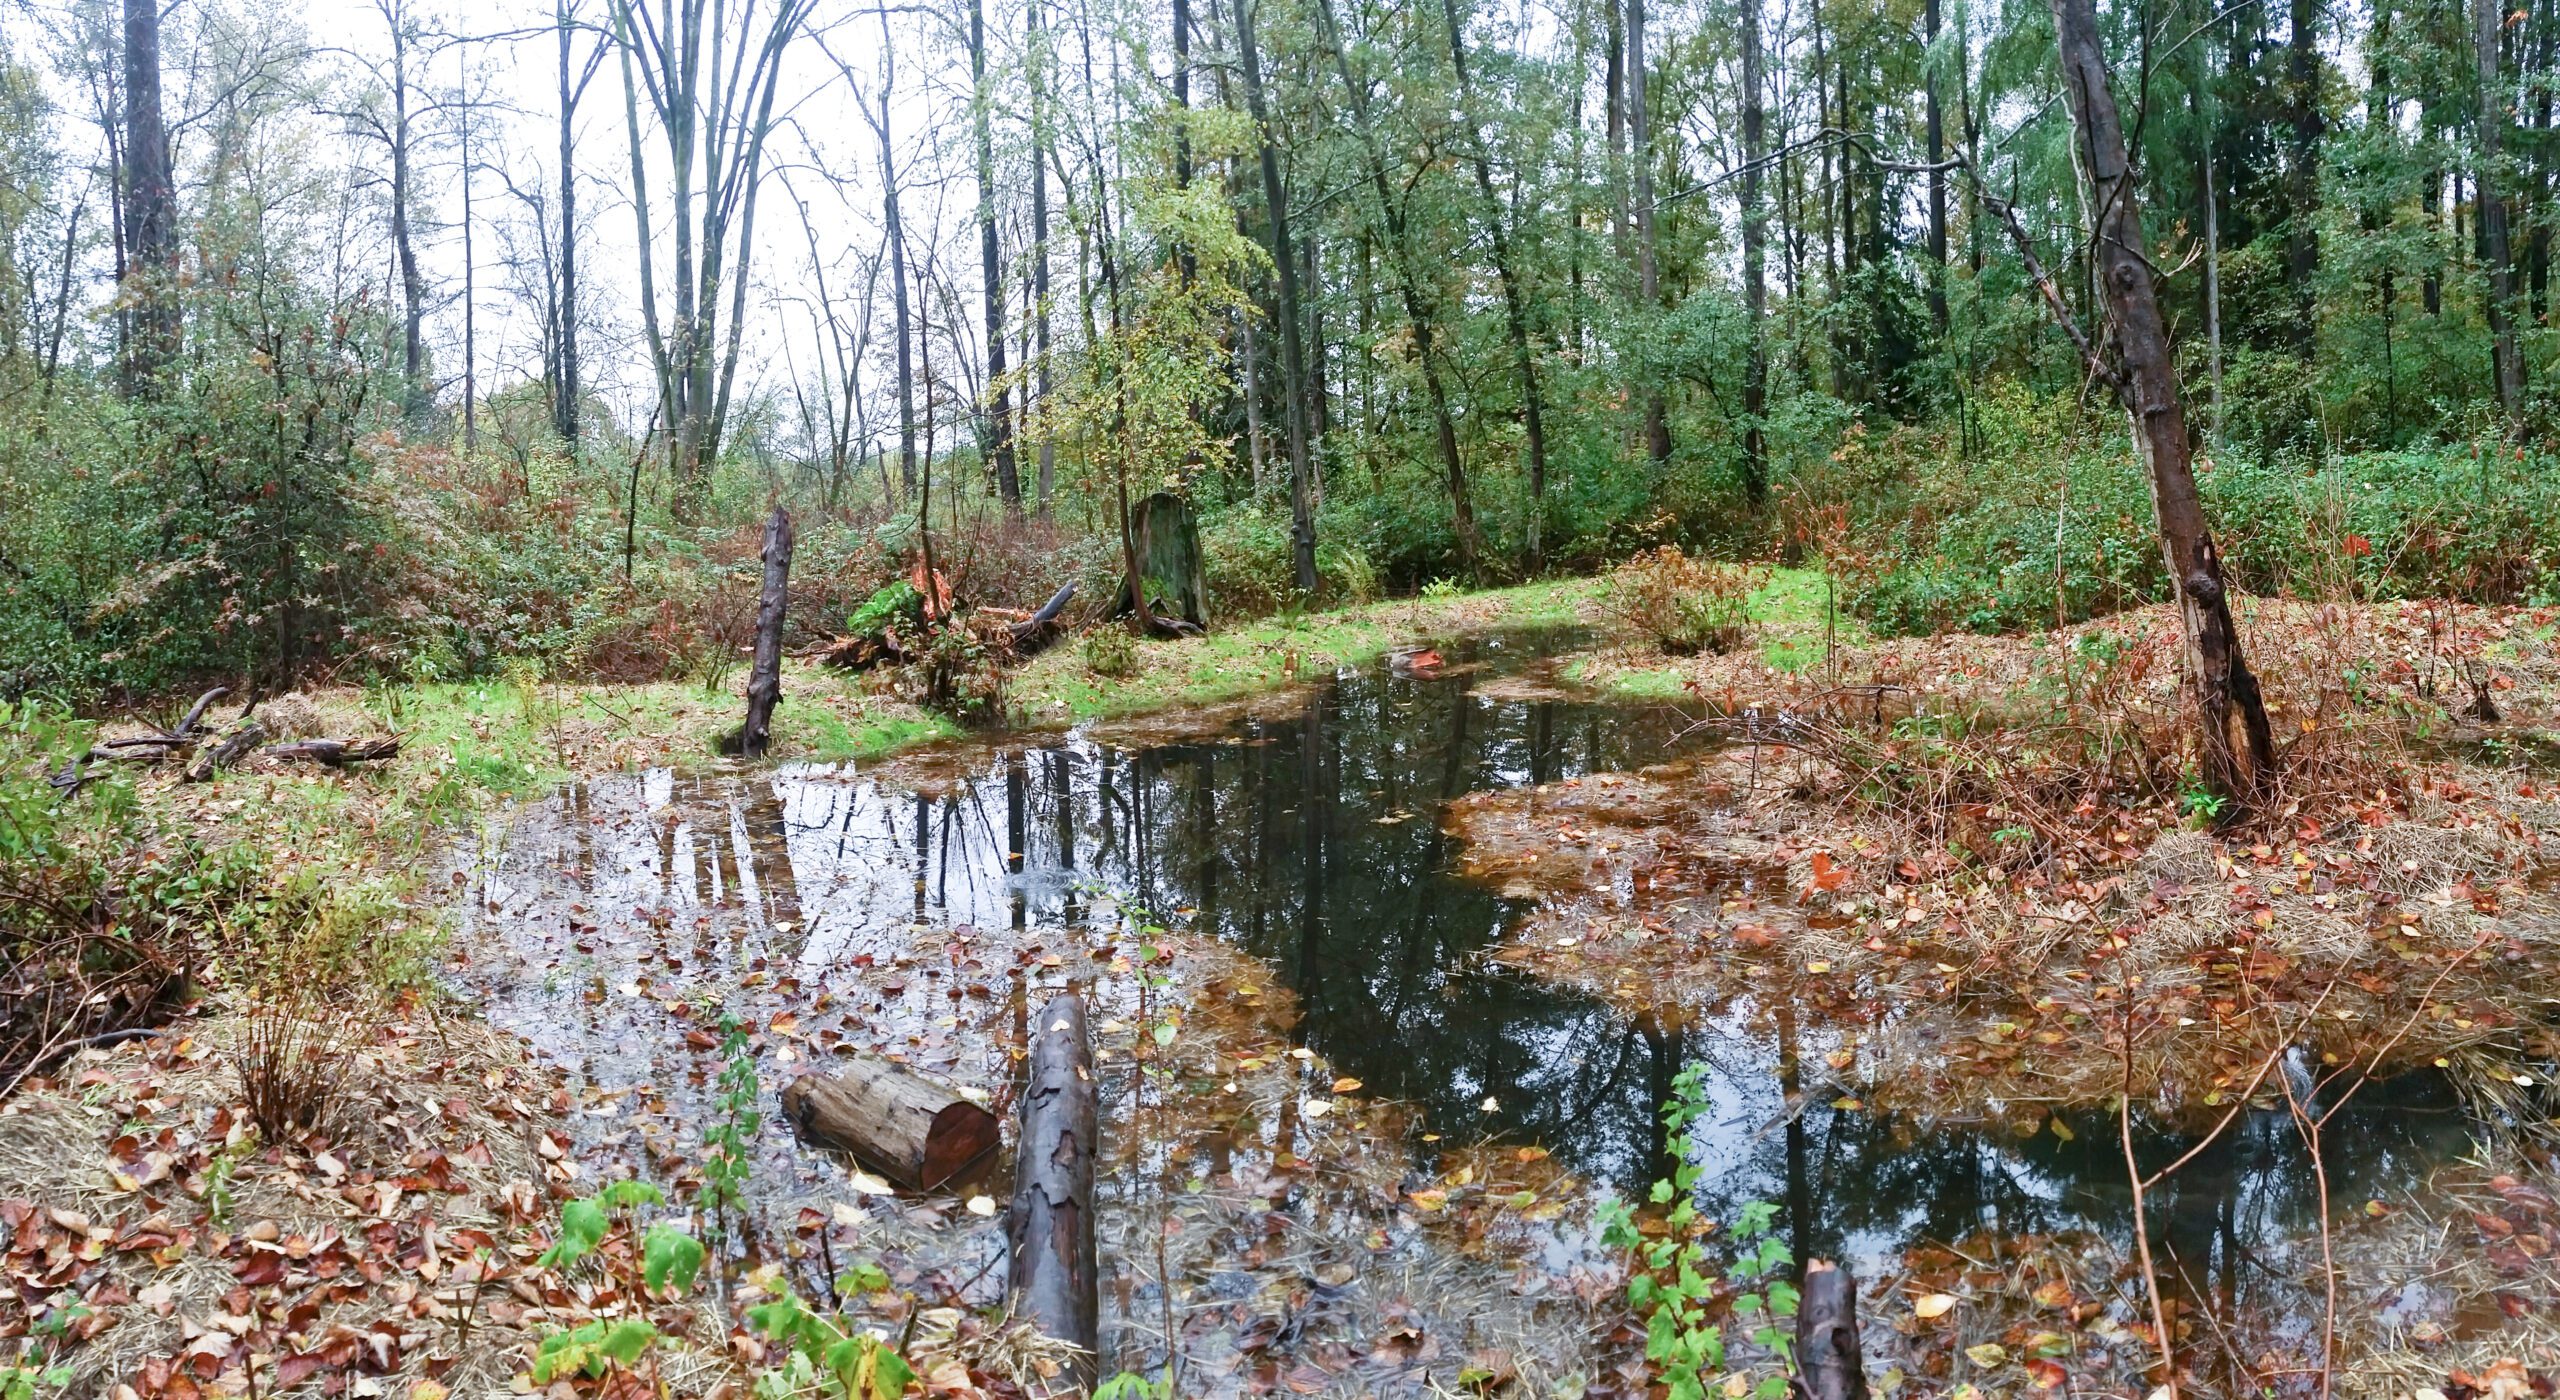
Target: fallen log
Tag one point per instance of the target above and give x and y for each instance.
(336, 753)
(1035, 631)
(916, 1131)
(1053, 1282)
(228, 752)
(1827, 1334)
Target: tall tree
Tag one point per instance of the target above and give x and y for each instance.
(2237, 743)
(1935, 125)
(2505, 364)
(1755, 280)
(1515, 313)
(1293, 352)
(566, 414)
(1037, 62)
(997, 436)
(1391, 229)
(1657, 420)
(150, 210)
(712, 120)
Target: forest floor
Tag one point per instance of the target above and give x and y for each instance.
(1956, 911)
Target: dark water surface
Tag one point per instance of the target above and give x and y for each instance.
(1312, 842)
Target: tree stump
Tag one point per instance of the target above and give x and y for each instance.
(764, 680)
(916, 1131)
(1054, 1283)
(1827, 1334)
(1166, 535)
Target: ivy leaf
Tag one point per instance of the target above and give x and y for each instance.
(582, 1225)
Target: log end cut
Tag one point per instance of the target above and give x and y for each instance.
(916, 1131)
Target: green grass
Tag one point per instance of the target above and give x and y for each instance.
(1057, 689)
(1788, 615)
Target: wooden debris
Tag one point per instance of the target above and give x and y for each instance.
(1827, 1334)
(916, 1131)
(1053, 1279)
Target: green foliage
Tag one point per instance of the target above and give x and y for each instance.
(896, 603)
(1669, 1278)
(735, 1122)
(828, 1355)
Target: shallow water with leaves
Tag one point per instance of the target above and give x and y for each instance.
(1351, 1151)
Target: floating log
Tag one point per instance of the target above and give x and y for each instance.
(1054, 1283)
(916, 1131)
(764, 679)
(1827, 1334)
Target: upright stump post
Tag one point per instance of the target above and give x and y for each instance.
(764, 683)
(1054, 1283)
(1827, 1334)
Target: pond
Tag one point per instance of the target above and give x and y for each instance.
(1289, 870)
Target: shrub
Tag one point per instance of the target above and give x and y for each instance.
(1685, 605)
(1110, 651)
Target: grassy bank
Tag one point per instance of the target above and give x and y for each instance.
(1059, 689)
(1791, 628)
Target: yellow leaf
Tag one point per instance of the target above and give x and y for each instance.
(1933, 1305)
(1987, 1355)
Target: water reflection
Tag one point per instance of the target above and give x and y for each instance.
(1313, 843)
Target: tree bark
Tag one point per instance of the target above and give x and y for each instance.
(1937, 137)
(1755, 277)
(1053, 1279)
(1827, 1334)
(999, 412)
(1037, 65)
(914, 1130)
(417, 396)
(764, 680)
(901, 314)
(1293, 350)
(2238, 747)
(2506, 364)
(2302, 234)
(150, 210)
(564, 404)
(1657, 420)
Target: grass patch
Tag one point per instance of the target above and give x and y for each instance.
(1787, 619)
(1058, 688)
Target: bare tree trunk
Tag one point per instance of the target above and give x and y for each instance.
(2212, 255)
(1040, 151)
(1657, 421)
(1417, 313)
(564, 407)
(1937, 182)
(470, 296)
(150, 210)
(2238, 747)
(2486, 17)
(1293, 352)
(897, 233)
(1514, 301)
(417, 396)
(1755, 277)
(2302, 237)
(764, 679)
(999, 410)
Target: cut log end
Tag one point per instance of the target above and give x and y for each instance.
(916, 1131)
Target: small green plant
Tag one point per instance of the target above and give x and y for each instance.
(18, 1381)
(735, 1123)
(667, 1262)
(828, 1354)
(2201, 805)
(1669, 1280)
(1129, 1385)
(1112, 652)
(896, 604)
(1440, 589)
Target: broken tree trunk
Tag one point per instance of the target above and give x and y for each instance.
(336, 753)
(1054, 1284)
(213, 760)
(1827, 1334)
(918, 1132)
(2238, 746)
(764, 682)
